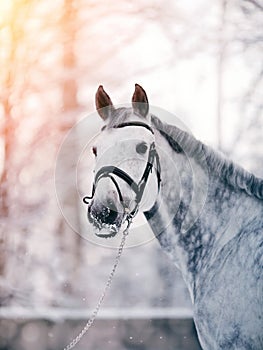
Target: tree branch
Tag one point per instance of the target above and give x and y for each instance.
(256, 4)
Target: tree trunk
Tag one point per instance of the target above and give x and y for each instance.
(69, 241)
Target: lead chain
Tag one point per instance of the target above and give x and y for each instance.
(94, 314)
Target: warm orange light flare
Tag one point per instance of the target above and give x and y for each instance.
(5, 11)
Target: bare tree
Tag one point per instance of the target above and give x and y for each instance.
(249, 35)
(9, 90)
(69, 241)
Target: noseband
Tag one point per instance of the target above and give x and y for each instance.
(138, 188)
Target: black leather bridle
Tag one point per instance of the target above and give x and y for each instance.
(138, 188)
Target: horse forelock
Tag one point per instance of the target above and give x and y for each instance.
(217, 163)
(119, 115)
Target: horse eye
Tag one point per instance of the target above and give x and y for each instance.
(141, 148)
(94, 151)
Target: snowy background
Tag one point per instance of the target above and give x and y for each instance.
(200, 60)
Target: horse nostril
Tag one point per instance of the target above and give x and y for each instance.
(103, 214)
(108, 215)
(112, 216)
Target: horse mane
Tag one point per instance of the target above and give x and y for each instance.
(233, 174)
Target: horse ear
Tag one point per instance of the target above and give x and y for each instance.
(103, 103)
(140, 101)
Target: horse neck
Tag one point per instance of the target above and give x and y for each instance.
(197, 215)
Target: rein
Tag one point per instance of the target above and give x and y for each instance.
(138, 188)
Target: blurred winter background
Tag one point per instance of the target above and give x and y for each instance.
(202, 60)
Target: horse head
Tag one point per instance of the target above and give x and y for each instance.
(127, 170)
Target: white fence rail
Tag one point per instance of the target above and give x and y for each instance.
(56, 314)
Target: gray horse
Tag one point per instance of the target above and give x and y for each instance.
(206, 212)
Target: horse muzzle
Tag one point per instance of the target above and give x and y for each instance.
(106, 219)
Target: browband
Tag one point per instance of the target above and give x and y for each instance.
(144, 125)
